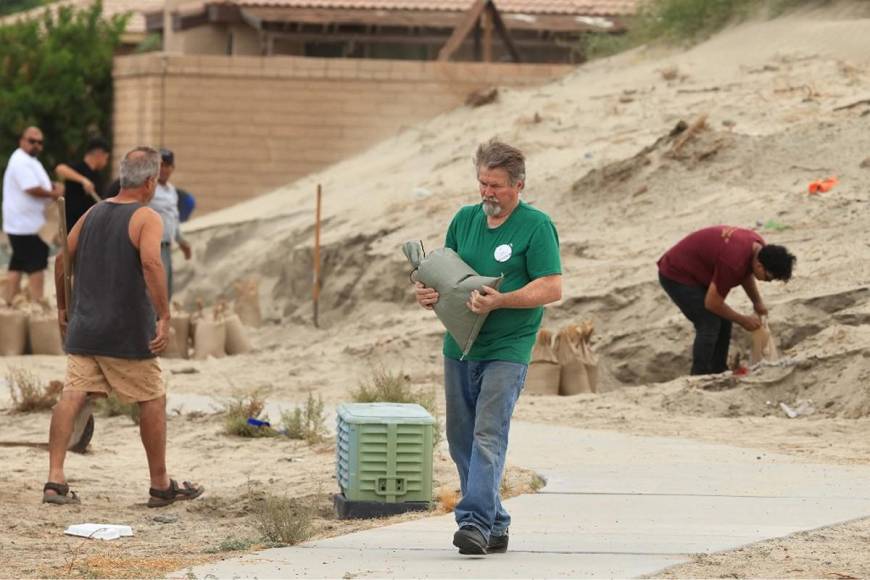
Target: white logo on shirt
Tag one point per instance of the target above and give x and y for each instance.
(503, 253)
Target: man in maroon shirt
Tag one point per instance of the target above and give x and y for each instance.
(699, 272)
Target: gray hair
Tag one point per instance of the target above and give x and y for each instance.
(494, 155)
(138, 165)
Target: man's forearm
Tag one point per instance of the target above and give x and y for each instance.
(724, 311)
(751, 289)
(536, 293)
(155, 282)
(70, 174)
(39, 192)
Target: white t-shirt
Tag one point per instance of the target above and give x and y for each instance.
(165, 203)
(24, 214)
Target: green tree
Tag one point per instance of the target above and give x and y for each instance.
(12, 6)
(56, 73)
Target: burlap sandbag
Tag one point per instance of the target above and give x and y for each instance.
(454, 280)
(544, 370)
(179, 335)
(50, 230)
(763, 345)
(579, 364)
(44, 334)
(13, 331)
(237, 336)
(210, 336)
(247, 304)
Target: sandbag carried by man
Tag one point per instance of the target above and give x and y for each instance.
(113, 338)
(499, 236)
(700, 271)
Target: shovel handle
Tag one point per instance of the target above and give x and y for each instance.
(67, 290)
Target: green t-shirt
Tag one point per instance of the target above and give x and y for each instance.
(523, 248)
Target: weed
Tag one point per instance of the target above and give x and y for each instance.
(384, 386)
(237, 411)
(29, 393)
(231, 544)
(537, 483)
(284, 521)
(308, 423)
(111, 406)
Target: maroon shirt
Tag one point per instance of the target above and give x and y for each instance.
(720, 254)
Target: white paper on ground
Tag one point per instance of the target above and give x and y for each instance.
(99, 531)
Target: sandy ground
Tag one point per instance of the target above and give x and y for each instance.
(779, 99)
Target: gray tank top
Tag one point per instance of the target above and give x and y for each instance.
(111, 312)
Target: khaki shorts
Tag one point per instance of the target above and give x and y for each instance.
(133, 381)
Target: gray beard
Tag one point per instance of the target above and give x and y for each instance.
(491, 209)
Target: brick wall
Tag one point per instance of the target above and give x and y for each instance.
(242, 126)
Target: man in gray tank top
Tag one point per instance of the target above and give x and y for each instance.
(117, 324)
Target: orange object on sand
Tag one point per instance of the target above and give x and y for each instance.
(823, 185)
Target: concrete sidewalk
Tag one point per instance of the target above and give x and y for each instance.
(614, 506)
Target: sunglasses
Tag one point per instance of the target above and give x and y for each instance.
(34, 141)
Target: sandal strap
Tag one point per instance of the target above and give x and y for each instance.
(59, 488)
(165, 493)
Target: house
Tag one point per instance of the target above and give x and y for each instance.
(547, 31)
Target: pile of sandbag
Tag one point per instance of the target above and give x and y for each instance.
(563, 364)
(215, 332)
(29, 328)
(247, 303)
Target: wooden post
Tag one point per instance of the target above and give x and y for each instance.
(317, 259)
(486, 22)
(67, 275)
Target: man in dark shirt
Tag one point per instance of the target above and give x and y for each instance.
(81, 180)
(700, 271)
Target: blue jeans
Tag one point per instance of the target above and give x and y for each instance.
(480, 401)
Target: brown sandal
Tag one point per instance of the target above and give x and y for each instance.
(164, 497)
(62, 495)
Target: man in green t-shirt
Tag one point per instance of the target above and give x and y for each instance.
(501, 236)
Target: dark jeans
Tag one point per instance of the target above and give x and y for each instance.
(712, 332)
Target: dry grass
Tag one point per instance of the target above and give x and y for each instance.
(30, 394)
(447, 499)
(284, 520)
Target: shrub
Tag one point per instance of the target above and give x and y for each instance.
(284, 521)
(111, 406)
(386, 387)
(308, 423)
(237, 411)
(29, 393)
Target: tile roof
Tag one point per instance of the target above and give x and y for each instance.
(137, 8)
(568, 7)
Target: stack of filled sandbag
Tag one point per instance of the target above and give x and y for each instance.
(179, 333)
(579, 365)
(247, 303)
(43, 329)
(218, 333)
(13, 328)
(544, 370)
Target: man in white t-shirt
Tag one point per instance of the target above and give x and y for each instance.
(165, 203)
(27, 189)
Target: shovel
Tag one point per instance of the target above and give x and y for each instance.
(83, 427)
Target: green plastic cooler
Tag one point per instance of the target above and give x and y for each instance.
(383, 458)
